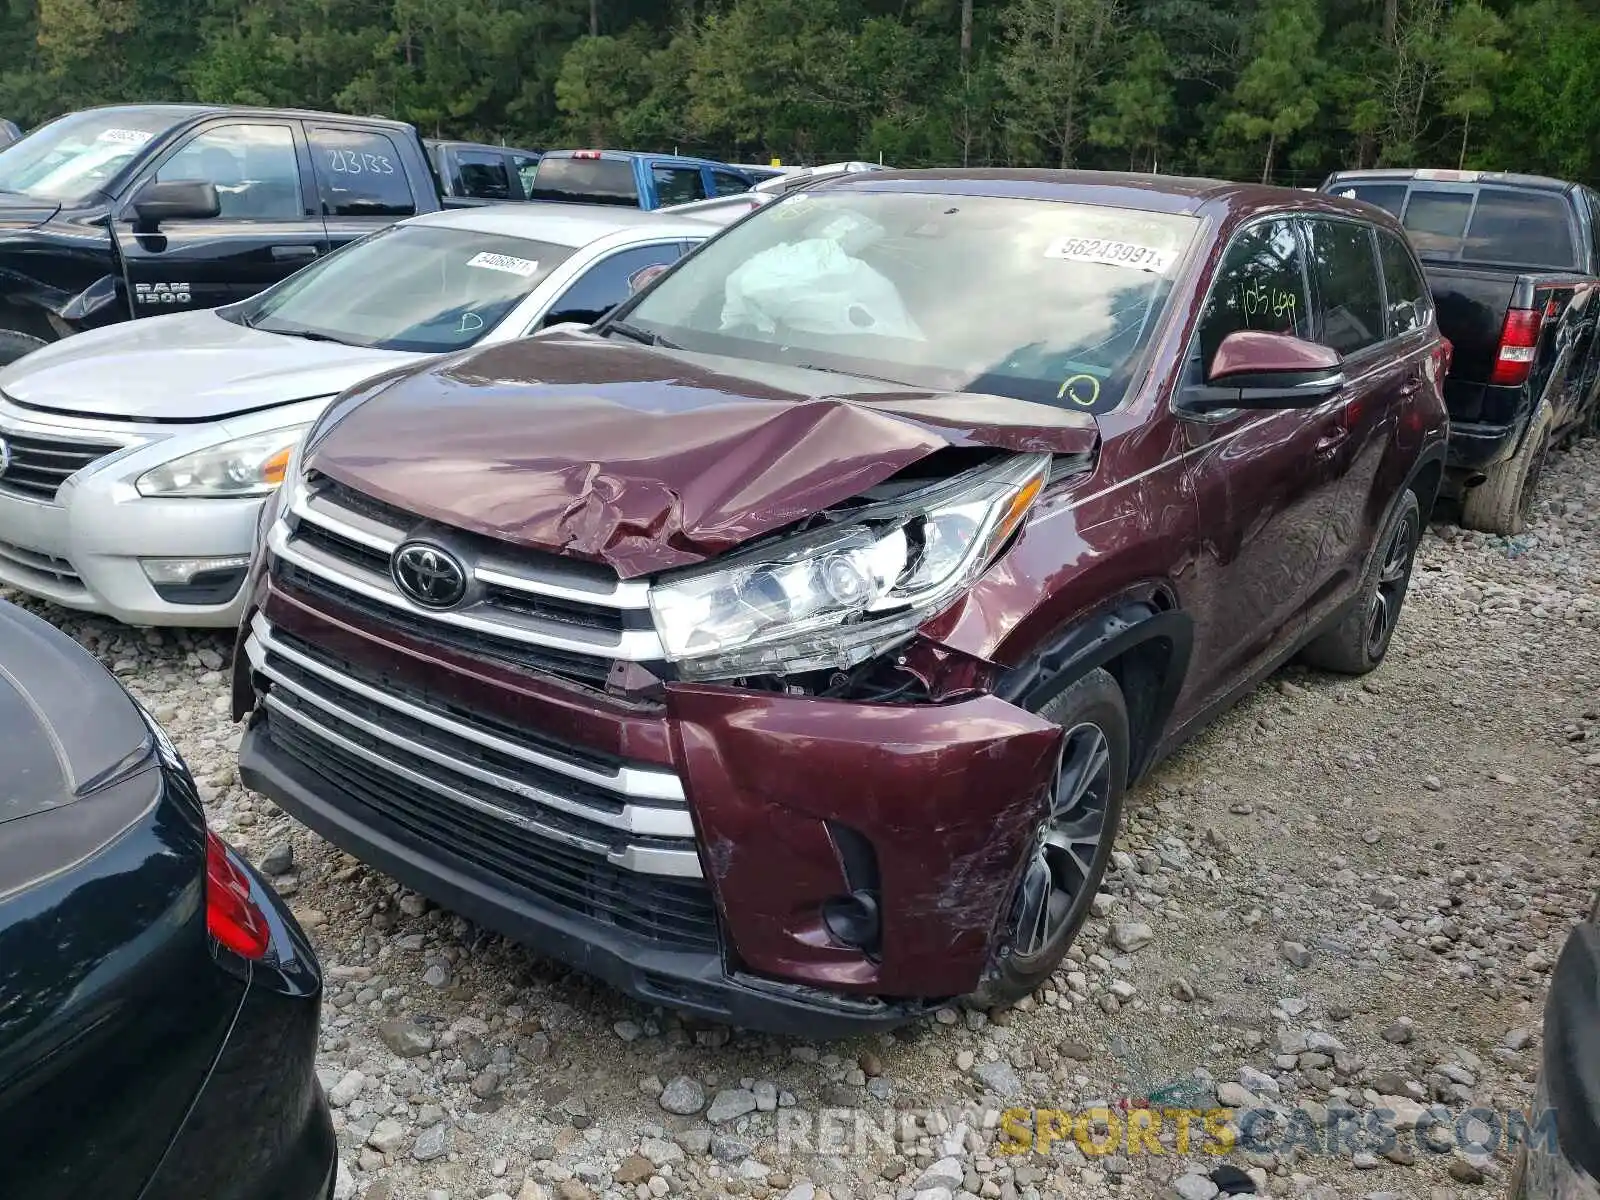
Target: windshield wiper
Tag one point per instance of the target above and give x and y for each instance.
(310, 335)
(643, 336)
(853, 374)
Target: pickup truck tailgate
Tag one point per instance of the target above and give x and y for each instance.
(1472, 303)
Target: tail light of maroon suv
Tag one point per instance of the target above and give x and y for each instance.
(782, 648)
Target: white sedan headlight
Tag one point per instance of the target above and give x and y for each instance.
(837, 596)
(247, 466)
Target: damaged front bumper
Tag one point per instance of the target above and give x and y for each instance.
(841, 865)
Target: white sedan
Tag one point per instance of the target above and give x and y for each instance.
(134, 459)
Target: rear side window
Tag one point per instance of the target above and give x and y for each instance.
(589, 180)
(1259, 285)
(724, 184)
(678, 185)
(1390, 196)
(1344, 272)
(606, 284)
(1407, 294)
(360, 173)
(482, 174)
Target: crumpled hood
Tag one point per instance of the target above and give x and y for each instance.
(646, 459)
(191, 366)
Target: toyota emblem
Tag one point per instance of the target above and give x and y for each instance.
(5, 456)
(429, 574)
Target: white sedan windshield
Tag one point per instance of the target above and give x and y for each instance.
(411, 287)
(1038, 299)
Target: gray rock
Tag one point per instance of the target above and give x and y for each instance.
(1258, 1082)
(1233, 1095)
(386, 1136)
(1517, 1039)
(437, 976)
(278, 860)
(1296, 954)
(999, 1078)
(804, 1190)
(730, 1104)
(432, 1143)
(1193, 1187)
(1129, 936)
(628, 1031)
(696, 1140)
(683, 1096)
(946, 1173)
(405, 1038)
(729, 1149)
(344, 1183)
(1399, 1031)
(347, 1089)
(938, 1193)
(766, 1094)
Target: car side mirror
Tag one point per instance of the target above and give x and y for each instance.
(174, 200)
(1256, 369)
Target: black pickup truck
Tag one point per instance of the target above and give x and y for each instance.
(1513, 262)
(473, 173)
(129, 211)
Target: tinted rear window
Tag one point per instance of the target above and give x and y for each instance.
(1529, 228)
(589, 180)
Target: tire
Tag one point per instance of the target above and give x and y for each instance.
(1358, 643)
(1088, 709)
(14, 345)
(1503, 502)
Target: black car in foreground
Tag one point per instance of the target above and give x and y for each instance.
(158, 1004)
(1567, 1166)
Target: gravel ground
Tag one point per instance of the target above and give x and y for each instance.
(1344, 892)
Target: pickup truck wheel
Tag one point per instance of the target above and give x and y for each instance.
(1503, 502)
(1358, 643)
(1072, 845)
(14, 345)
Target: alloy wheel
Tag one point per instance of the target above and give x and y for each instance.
(1054, 883)
(1390, 593)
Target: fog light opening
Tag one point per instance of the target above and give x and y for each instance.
(855, 921)
(167, 572)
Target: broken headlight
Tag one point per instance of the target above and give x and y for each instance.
(834, 597)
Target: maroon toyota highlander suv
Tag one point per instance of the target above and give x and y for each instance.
(781, 648)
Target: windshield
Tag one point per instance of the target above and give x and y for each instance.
(70, 159)
(409, 287)
(1033, 299)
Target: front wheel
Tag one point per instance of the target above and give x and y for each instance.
(1358, 643)
(1070, 849)
(13, 345)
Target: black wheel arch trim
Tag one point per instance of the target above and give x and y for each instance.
(1097, 639)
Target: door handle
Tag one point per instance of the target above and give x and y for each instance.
(1410, 387)
(1331, 439)
(293, 253)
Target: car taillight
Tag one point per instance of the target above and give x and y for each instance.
(232, 917)
(1518, 339)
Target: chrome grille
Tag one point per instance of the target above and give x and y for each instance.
(37, 466)
(610, 841)
(523, 603)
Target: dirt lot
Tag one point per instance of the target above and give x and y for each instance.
(1353, 892)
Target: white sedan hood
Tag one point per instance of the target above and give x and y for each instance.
(186, 367)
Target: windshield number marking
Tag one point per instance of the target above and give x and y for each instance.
(132, 137)
(351, 162)
(1110, 253)
(162, 293)
(524, 267)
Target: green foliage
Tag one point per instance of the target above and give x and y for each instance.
(1279, 89)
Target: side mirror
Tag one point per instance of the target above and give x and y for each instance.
(1255, 369)
(641, 278)
(176, 200)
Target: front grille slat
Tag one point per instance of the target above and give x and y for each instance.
(574, 828)
(675, 912)
(38, 466)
